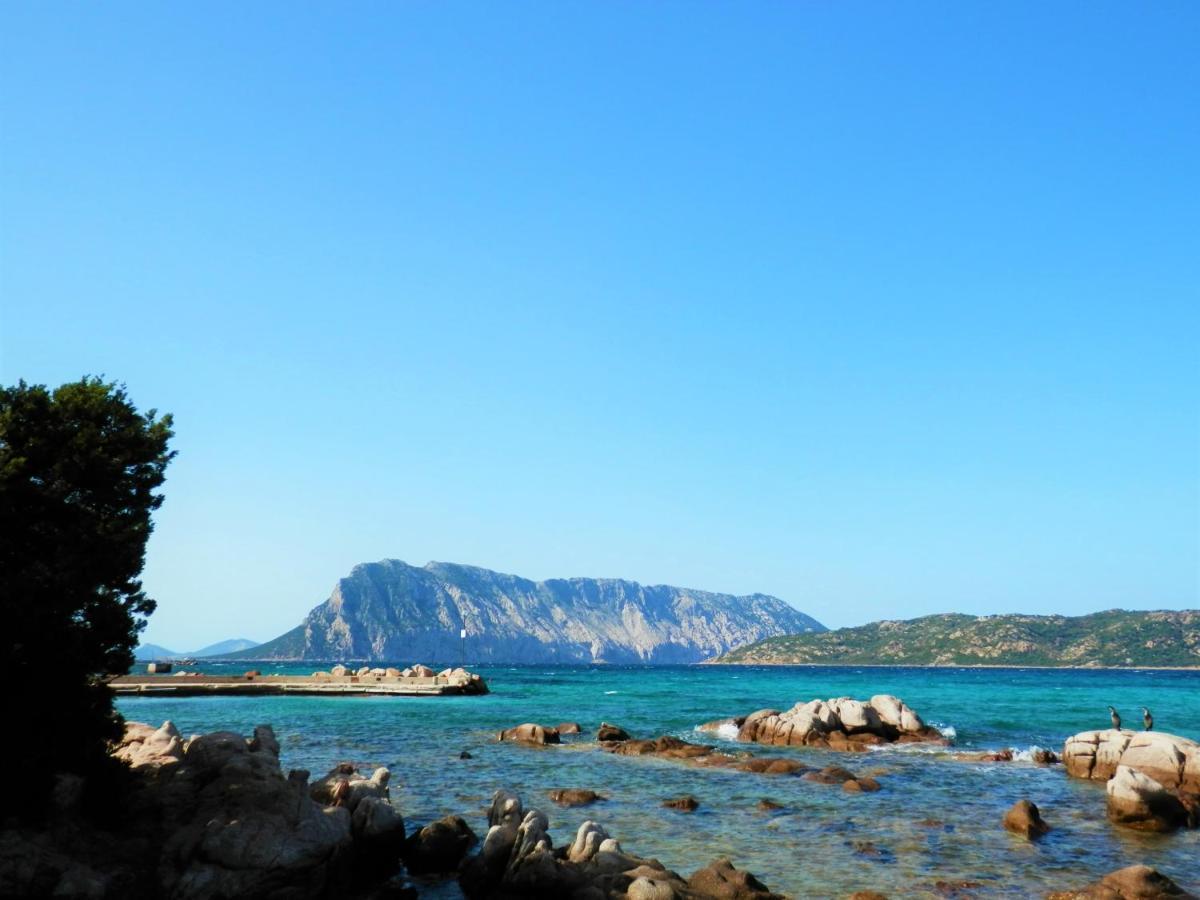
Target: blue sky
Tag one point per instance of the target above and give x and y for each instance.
(883, 309)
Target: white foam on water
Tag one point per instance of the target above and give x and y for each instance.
(947, 731)
(612, 692)
(728, 731)
(1027, 755)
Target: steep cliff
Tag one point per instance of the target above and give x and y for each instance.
(393, 611)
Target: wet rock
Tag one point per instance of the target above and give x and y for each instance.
(466, 754)
(1045, 757)
(574, 796)
(609, 732)
(568, 728)
(830, 775)
(955, 889)
(864, 785)
(686, 803)
(868, 895)
(1024, 818)
(768, 805)
(721, 880)
(1130, 883)
(666, 746)
(530, 733)
(769, 765)
(439, 847)
(1138, 801)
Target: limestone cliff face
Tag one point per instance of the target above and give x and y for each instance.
(393, 611)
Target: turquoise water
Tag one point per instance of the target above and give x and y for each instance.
(823, 843)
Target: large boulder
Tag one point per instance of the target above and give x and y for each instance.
(721, 880)
(1138, 801)
(439, 847)
(1172, 761)
(211, 817)
(518, 859)
(144, 746)
(842, 723)
(1130, 883)
(1025, 819)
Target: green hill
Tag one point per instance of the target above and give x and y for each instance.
(1116, 638)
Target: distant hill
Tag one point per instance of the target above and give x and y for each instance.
(224, 648)
(1115, 638)
(150, 652)
(221, 648)
(392, 611)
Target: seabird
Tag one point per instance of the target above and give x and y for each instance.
(1147, 719)
(1116, 719)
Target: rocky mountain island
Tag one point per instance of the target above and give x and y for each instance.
(1116, 638)
(390, 610)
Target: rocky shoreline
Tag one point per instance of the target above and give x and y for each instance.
(215, 815)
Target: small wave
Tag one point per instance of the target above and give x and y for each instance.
(1027, 754)
(949, 732)
(728, 731)
(612, 692)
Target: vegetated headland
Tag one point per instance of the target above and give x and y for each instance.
(1112, 639)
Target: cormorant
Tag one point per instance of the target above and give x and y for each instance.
(1116, 719)
(1147, 719)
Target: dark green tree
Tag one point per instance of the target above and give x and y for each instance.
(80, 470)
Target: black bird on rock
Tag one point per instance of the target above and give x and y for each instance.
(1116, 719)
(1147, 719)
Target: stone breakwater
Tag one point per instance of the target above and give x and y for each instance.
(1152, 778)
(414, 681)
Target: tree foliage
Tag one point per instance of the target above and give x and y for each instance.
(80, 470)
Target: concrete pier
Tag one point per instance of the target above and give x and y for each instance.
(196, 685)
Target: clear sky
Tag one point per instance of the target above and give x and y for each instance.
(885, 309)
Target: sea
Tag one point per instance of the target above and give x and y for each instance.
(933, 830)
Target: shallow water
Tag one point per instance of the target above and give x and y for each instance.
(935, 820)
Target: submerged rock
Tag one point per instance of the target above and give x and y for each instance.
(687, 803)
(574, 796)
(530, 733)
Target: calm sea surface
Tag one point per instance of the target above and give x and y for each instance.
(823, 843)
